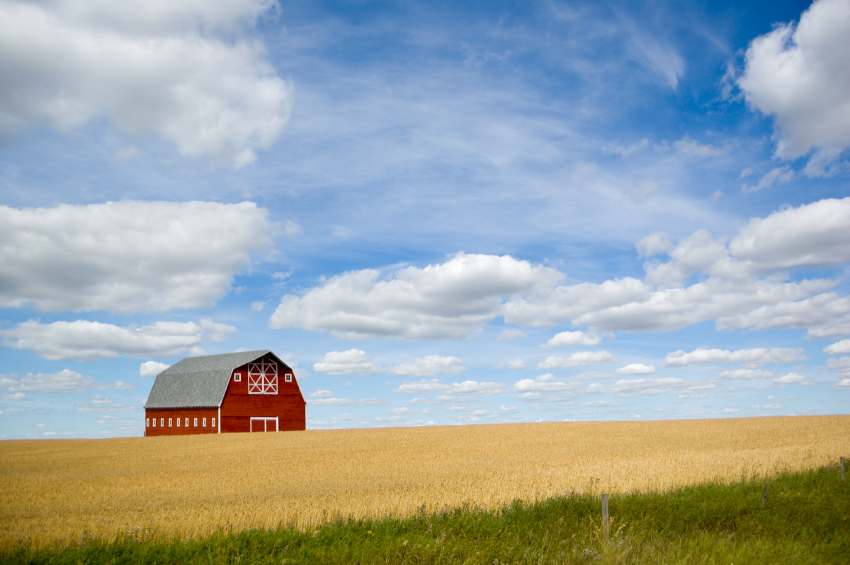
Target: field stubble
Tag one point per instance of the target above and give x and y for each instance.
(58, 491)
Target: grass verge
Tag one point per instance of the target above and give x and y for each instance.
(805, 521)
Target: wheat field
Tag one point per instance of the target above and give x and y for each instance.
(60, 491)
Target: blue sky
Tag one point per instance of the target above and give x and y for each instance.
(437, 213)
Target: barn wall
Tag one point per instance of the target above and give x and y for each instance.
(165, 413)
(287, 405)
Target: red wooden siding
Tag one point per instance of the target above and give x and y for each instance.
(287, 405)
(163, 415)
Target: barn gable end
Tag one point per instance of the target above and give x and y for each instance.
(234, 392)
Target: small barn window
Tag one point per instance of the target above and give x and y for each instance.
(178, 422)
(213, 422)
(147, 422)
(205, 423)
(262, 378)
(237, 377)
(187, 422)
(288, 378)
(154, 422)
(196, 422)
(162, 422)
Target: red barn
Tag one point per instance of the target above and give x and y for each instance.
(248, 391)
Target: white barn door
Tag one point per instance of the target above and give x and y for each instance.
(264, 424)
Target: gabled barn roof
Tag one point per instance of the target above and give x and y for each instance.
(199, 382)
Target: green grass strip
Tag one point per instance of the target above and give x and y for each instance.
(805, 521)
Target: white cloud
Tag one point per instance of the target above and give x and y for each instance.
(321, 394)
(445, 301)
(515, 364)
(257, 306)
(696, 150)
(16, 411)
(654, 244)
(466, 388)
(126, 256)
(152, 368)
(758, 356)
(428, 366)
(351, 362)
(746, 374)
(17, 397)
(504, 408)
(792, 378)
(185, 71)
(640, 387)
(800, 77)
(98, 404)
(543, 383)
(511, 335)
(292, 228)
(662, 60)
(636, 369)
(817, 313)
(842, 384)
(88, 341)
(811, 235)
(574, 338)
(65, 381)
(839, 348)
(842, 364)
(778, 175)
(580, 359)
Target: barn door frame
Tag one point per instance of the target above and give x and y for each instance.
(265, 420)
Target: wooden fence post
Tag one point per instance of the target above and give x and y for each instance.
(605, 517)
(842, 468)
(764, 496)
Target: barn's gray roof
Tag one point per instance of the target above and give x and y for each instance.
(196, 382)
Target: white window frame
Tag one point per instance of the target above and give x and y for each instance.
(169, 422)
(266, 420)
(288, 377)
(162, 422)
(178, 422)
(262, 377)
(154, 422)
(187, 422)
(147, 422)
(213, 422)
(204, 423)
(196, 422)
(237, 377)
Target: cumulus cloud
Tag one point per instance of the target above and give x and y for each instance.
(186, 71)
(428, 366)
(654, 244)
(511, 335)
(126, 256)
(444, 301)
(574, 338)
(351, 362)
(792, 378)
(329, 401)
(640, 387)
(696, 150)
(515, 364)
(543, 383)
(82, 340)
(839, 348)
(746, 374)
(100, 404)
(65, 381)
(842, 365)
(818, 314)
(636, 369)
(810, 235)
(758, 356)
(466, 388)
(580, 359)
(799, 76)
(152, 368)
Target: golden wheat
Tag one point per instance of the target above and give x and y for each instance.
(192, 485)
